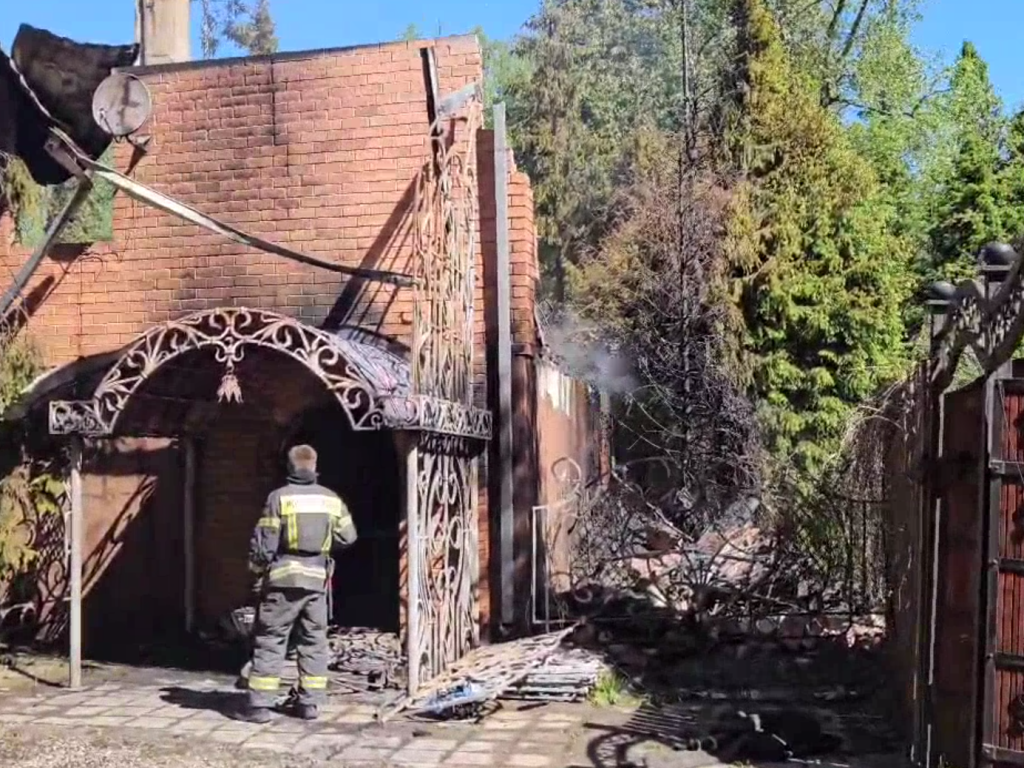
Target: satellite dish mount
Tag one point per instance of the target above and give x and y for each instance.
(121, 106)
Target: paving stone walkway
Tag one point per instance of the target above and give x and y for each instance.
(345, 732)
(196, 709)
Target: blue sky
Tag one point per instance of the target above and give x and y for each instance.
(995, 26)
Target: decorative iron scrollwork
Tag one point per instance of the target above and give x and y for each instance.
(991, 326)
(371, 384)
(443, 581)
(227, 331)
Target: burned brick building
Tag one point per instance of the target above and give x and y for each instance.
(324, 153)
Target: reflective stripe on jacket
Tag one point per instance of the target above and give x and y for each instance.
(300, 525)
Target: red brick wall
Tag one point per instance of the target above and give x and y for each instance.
(318, 151)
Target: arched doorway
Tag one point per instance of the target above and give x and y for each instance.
(363, 469)
(231, 389)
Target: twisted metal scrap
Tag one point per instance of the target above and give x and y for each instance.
(491, 670)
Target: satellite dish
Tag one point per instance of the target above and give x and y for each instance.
(121, 105)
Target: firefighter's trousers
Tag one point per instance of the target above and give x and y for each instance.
(280, 610)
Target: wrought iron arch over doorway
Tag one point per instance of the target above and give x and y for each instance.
(370, 385)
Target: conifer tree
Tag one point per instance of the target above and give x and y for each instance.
(972, 200)
(820, 277)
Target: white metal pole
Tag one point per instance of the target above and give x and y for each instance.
(412, 559)
(473, 548)
(189, 504)
(77, 541)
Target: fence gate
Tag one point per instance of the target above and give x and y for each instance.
(975, 667)
(958, 478)
(1002, 678)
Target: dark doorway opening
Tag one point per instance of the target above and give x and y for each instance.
(362, 468)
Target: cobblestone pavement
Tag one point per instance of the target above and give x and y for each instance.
(195, 712)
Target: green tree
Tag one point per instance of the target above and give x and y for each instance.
(506, 73)
(411, 33)
(29, 488)
(836, 43)
(970, 191)
(599, 72)
(892, 109)
(820, 274)
(246, 24)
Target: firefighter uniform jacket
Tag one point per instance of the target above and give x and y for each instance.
(300, 525)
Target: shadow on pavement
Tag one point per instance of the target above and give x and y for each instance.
(223, 702)
(704, 735)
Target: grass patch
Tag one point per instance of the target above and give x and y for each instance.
(614, 690)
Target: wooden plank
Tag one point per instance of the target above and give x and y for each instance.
(1003, 626)
(957, 581)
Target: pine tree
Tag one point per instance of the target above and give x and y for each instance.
(972, 199)
(597, 72)
(820, 276)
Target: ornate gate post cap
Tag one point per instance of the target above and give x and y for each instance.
(996, 260)
(940, 292)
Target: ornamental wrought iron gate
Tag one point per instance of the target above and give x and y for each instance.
(443, 567)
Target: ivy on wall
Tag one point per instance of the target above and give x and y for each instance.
(93, 223)
(31, 487)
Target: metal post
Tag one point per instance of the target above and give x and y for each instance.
(412, 555)
(77, 539)
(504, 310)
(189, 510)
(473, 541)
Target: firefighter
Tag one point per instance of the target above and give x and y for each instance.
(291, 547)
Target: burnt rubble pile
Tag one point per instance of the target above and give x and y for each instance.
(734, 577)
(731, 612)
(362, 660)
(781, 658)
(366, 660)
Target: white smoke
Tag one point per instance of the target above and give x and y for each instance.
(582, 351)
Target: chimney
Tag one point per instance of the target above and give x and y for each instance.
(163, 30)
